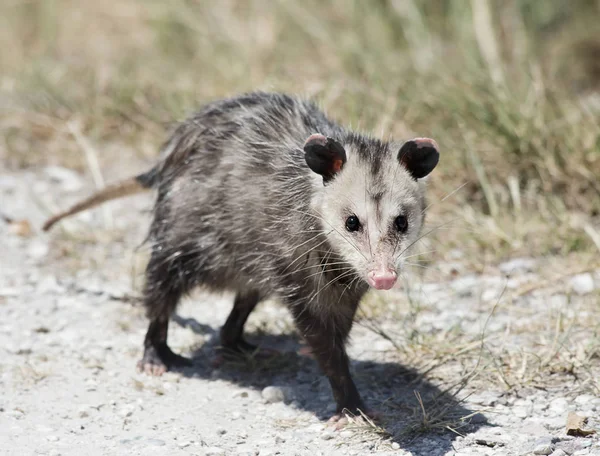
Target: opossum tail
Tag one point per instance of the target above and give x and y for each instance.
(131, 186)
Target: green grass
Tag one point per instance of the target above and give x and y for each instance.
(508, 89)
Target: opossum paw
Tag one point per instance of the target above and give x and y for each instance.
(340, 420)
(157, 360)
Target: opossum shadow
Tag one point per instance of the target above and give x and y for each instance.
(411, 407)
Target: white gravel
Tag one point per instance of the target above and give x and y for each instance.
(69, 341)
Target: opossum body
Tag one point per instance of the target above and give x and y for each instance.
(264, 195)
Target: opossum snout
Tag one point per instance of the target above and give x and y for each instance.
(382, 278)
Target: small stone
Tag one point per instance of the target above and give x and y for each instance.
(221, 431)
(52, 438)
(395, 446)
(585, 399)
(553, 424)
(214, 451)
(68, 179)
(346, 434)
(487, 399)
(517, 265)
(582, 283)
(544, 448)
(273, 394)
(521, 412)
(559, 405)
(558, 452)
(327, 435)
(38, 249)
(533, 428)
(155, 442)
(581, 452)
(279, 440)
(184, 444)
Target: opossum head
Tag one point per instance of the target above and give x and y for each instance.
(371, 200)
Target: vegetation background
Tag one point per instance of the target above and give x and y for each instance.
(510, 90)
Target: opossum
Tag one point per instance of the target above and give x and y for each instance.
(264, 195)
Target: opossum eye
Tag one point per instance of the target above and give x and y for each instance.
(352, 223)
(401, 223)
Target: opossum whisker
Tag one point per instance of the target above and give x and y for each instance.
(422, 266)
(426, 234)
(304, 254)
(291, 249)
(418, 254)
(352, 282)
(460, 187)
(335, 279)
(333, 228)
(348, 268)
(313, 266)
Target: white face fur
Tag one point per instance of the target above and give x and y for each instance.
(373, 216)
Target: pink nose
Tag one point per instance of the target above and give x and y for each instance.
(382, 280)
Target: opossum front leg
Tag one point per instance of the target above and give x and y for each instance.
(326, 333)
(164, 286)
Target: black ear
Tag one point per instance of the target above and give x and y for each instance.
(325, 156)
(419, 156)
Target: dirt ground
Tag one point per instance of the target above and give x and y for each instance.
(71, 333)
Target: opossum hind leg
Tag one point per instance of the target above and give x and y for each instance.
(164, 286)
(158, 356)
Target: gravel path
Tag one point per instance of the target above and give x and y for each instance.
(71, 334)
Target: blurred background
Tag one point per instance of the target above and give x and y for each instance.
(510, 90)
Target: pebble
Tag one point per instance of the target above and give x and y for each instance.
(214, 451)
(68, 179)
(327, 435)
(544, 448)
(582, 283)
(585, 400)
(553, 424)
(273, 394)
(155, 442)
(279, 440)
(346, 434)
(517, 265)
(559, 405)
(37, 249)
(521, 412)
(487, 398)
(558, 452)
(395, 446)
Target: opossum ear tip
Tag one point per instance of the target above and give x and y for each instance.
(325, 156)
(419, 156)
